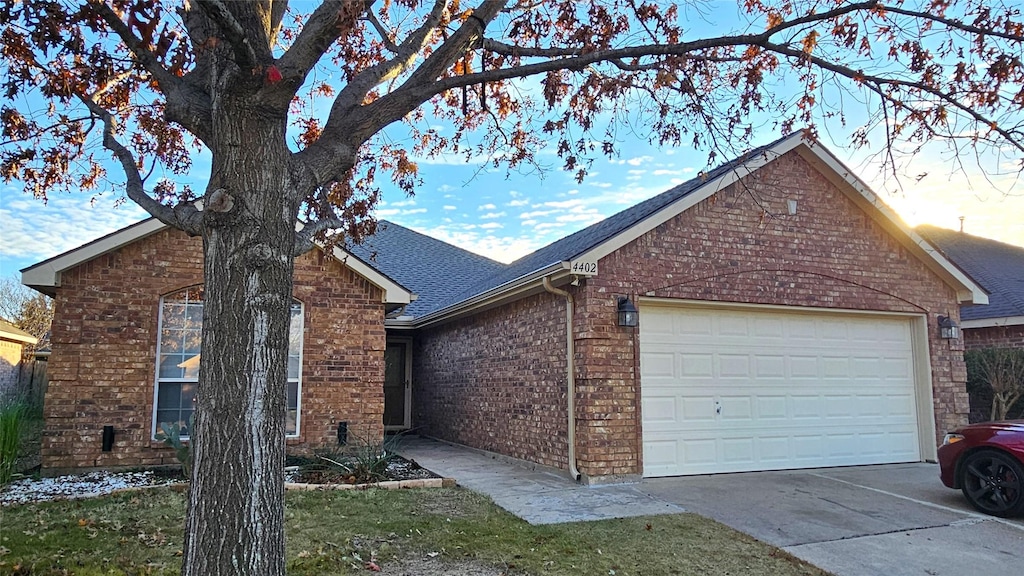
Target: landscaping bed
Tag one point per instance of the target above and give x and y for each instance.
(303, 473)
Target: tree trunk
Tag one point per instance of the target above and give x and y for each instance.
(235, 522)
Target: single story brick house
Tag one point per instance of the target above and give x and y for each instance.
(12, 345)
(999, 268)
(787, 319)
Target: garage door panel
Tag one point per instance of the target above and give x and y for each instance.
(697, 365)
(834, 390)
(660, 410)
(769, 366)
(733, 366)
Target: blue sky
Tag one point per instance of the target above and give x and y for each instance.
(505, 216)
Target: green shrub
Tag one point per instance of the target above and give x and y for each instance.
(13, 415)
(364, 459)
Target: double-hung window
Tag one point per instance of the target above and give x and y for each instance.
(181, 326)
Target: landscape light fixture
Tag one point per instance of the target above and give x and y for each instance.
(628, 314)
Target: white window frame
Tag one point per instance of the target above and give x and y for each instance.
(155, 429)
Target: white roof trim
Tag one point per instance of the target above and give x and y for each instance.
(47, 273)
(394, 293)
(968, 291)
(6, 334)
(992, 322)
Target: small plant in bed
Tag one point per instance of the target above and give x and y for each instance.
(362, 461)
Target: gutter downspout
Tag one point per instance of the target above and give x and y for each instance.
(570, 353)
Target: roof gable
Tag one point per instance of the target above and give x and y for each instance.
(614, 232)
(45, 276)
(997, 266)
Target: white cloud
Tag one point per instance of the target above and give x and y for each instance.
(492, 215)
(448, 207)
(486, 207)
(34, 231)
(639, 160)
(491, 226)
(445, 188)
(549, 225)
(391, 212)
(535, 214)
(664, 172)
(564, 204)
(400, 203)
(500, 248)
(517, 203)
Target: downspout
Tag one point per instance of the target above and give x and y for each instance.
(570, 353)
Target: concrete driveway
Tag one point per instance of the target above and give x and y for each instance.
(893, 520)
(890, 520)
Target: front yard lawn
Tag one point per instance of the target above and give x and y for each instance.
(433, 531)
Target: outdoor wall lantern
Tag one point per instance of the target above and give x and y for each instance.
(628, 314)
(948, 329)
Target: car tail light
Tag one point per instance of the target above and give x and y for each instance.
(952, 439)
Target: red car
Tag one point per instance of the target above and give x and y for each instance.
(986, 462)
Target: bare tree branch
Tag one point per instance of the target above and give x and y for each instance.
(304, 239)
(408, 51)
(953, 23)
(184, 216)
(245, 53)
(186, 103)
(874, 83)
(143, 55)
(381, 31)
(318, 33)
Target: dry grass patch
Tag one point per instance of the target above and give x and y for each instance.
(406, 532)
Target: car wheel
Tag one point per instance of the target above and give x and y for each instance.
(993, 482)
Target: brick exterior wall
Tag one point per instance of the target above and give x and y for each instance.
(994, 337)
(738, 246)
(102, 370)
(497, 381)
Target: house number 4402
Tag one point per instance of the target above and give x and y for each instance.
(584, 268)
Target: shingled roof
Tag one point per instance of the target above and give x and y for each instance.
(998, 267)
(436, 271)
(442, 275)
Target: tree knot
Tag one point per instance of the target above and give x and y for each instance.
(219, 201)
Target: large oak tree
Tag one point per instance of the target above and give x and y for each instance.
(290, 101)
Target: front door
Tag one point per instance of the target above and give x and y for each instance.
(397, 385)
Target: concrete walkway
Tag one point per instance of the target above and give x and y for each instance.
(537, 496)
(896, 519)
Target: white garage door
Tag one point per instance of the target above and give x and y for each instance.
(727, 390)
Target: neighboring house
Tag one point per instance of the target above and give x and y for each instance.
(999, 269)
(787, 319)
(12, 344)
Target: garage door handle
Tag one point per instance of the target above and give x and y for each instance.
(718, 408)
